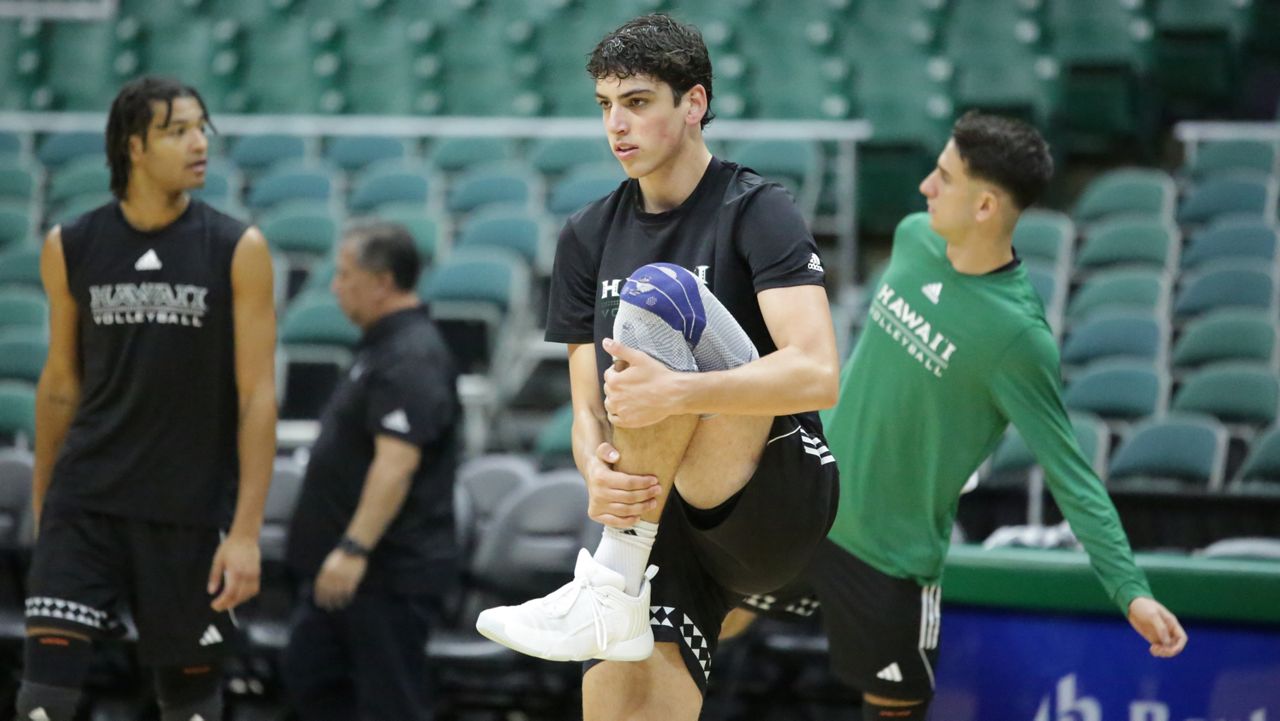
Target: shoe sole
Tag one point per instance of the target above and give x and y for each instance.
(633, 649)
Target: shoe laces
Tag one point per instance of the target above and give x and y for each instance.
(563, 599)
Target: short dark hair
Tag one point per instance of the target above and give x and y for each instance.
(386, 247)
(1006, 152)
(659, 47)
(131, 115)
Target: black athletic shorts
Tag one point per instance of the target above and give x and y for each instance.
(86, 565)
(882, 630)
(757, 541)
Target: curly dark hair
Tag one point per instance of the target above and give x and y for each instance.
(1006, 152)
(131, 115)
(659, 47)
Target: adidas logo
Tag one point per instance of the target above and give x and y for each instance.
(211, 636)
(396, 421)
(38, 715)
(148, 261)
(890, 672)
(932, 291)
(815, 263)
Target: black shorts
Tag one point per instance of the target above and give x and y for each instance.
(882, 630)
(757, 541)
(85, 565)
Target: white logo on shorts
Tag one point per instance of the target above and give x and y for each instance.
(397, 421)
(890, 672)
(211, 636)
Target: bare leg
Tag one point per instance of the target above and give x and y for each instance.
(656, 689)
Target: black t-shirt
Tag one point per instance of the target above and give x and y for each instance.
(740, 233)
(402, 383)
(154, 436)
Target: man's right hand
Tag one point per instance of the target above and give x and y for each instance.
(618, 499)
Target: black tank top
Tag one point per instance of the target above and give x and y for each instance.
(154, 436)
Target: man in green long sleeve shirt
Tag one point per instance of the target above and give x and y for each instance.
(955, 348)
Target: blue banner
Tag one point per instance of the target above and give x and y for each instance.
(1010, 666)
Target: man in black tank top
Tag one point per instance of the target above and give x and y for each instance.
(700, 343)
(156, 403)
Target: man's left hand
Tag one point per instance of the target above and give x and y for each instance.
(237, 568)
(638, 390)
(338, 579)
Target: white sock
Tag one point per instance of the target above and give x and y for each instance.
(627, 551)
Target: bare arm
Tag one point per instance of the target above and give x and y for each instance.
(803, 374)
(237, 560)
(255, 343)
(386, 485)
(58, 391)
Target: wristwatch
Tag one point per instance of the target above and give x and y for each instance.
(352, 547)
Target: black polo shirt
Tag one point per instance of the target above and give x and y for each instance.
(402, 383)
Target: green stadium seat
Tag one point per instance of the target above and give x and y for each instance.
(1103, 56)
(390, 182)
(513, 228)
(221, 186)
(18, 411)
(319, 277)
(86, 61)
(22, 308)
(553, 156)
(583, 185)
(1232, 237)
(22, 354)
(202, 52)
(15, 224)
(426, 229)
(1045, 235)
(796, 164)
(1197, 51)
(79, 205)
(1016, 82)
(1138, 191)
(1012, 459)
(288, 69)
(1129, 241)
(453, 154)
(1136, 336)
(10, 144)
(16, 182)
(1238, 193)
(356, 152)
(472, 294)
(300, 227)
(1050, 285)
(1227, 334)
(1233, 392)
(1187, 449)
(1226, 284)
(1120, 289)
(295, 183)
(388, 67)
(1230, 156)
(83, 176)
(315, 345)
(495, 184)
(1123, 390)
(59, 148)
(256, 153)
(20, 267)
(1263, 462)
(554, 445)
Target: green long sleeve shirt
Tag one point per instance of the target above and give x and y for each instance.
(945, 362)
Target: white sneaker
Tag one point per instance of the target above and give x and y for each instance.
(589, 617)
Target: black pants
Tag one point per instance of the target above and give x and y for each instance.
(365, 662)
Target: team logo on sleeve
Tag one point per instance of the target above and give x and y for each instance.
(815, 263)
(397, 421)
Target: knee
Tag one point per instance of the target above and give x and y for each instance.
(879, 708)
(56, 658)
(189, 692)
